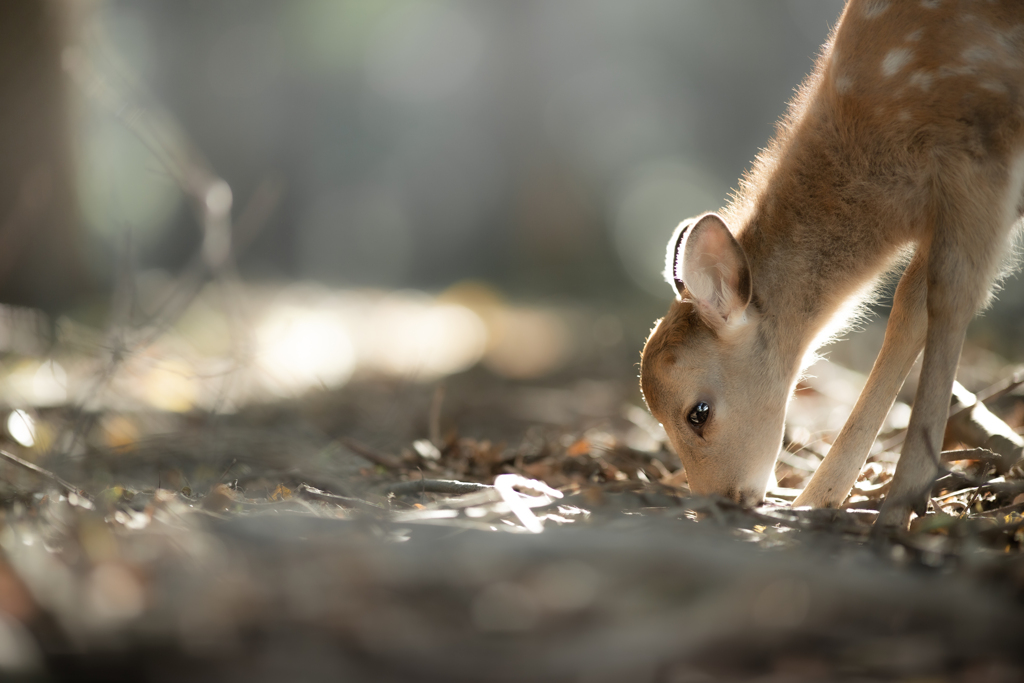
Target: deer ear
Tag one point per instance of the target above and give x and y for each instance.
(673, 268)
(710, 264)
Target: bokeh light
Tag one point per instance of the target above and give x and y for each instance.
(300, 348)
(22, 428)
(651, 202)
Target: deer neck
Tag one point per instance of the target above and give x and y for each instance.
(800, 292)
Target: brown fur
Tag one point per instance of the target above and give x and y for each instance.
(908, 135)
(670, 331)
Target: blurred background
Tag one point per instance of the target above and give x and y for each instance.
(547, 148)
(412, 186)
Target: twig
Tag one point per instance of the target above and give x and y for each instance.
(443, 486)
(989, 393)
(1007, 487)
(307, 491)
(1002, 387)
(64, 484)
(956, 481)
(233, 462)
(374, 456)
(979, 454)
(1019, 507)
(970, 503)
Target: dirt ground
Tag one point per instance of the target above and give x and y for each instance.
(469, 527)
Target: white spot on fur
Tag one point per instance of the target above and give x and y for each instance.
(978, 53)
(914, 36)
(1010, 39)
(843, 84)
(896, 59)
(922, 79)
(931, 4)
(994, 86)
(875, 8)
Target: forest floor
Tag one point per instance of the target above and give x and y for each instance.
(470, 527)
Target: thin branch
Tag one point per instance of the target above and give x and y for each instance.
(992, 392)
(979, 454)
(1002, 387)
(999, 512)
(442, 486)
(307, 491)
(376, 457)
(32, 467)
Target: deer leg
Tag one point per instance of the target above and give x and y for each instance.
(904, 337)
(962, 257)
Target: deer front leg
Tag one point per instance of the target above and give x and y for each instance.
(904, 337)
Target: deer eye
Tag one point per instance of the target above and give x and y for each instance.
(698, 415)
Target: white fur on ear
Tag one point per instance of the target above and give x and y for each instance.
(673, 274)
(711, 265)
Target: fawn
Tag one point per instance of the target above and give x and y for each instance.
(905, 145)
